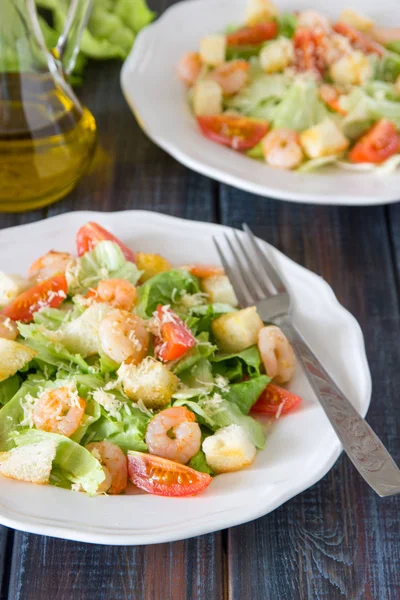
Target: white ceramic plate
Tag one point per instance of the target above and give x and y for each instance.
(300, 449)
(158, 100)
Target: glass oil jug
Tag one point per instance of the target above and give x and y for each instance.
(47, 138)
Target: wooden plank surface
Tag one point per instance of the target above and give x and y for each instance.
(336, 540)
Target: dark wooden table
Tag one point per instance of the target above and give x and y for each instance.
(337, 540)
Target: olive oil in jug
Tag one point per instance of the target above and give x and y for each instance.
(46, 142)
(47, 138)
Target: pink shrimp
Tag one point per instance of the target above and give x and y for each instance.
(189, 68)
(114, 464)
(231, 76)
(174, 434)
(58, 410)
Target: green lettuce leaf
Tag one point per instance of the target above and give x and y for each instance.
(224, 364)
(8, 388)
(50, 352)
(201, 317)
(163, 288)
(202, 350)
(246, 393)
(287, 23)
(199, 463)
(72, 463)
(105, 261)
(127, 433)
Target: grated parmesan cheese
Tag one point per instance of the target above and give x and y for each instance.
(27, 405)
(109, 402)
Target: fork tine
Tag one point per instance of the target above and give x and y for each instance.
(250, 287)
(237, 284)
(249, 263)
(269, 269)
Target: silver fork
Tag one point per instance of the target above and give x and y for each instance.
(257, 282)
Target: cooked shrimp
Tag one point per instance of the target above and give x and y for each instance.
(231, 76)
(8, 328)
(282, 149)
(174, 434)
(124, 337)
(313, 20)
(58, 410)
(277, 354)
(116, 292)
(114, 464)
(189, 67)
(49, 264)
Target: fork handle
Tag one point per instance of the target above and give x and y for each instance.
(359, 441)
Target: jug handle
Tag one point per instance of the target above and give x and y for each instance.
(67, 48)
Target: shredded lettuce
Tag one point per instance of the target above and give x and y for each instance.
(301, 108)
(51, 352)
(317, 163)
(259, 99)
(363, 110)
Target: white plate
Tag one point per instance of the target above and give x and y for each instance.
(159, 102)
(300, 449)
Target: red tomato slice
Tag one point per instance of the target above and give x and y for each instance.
(204, 271)
(239, 133)
(91, 234)
(176, 337)
(309, 50)
(164, 477)
(378, 144)
(358, 40)
(48, 293)
(276, 400)
(251, 36)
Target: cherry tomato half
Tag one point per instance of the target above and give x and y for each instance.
(256, 34)
(275, 398)
(378, 144)
(48, 293)
(91, 234)
(239, 133)
(164, 477)
(176, 338)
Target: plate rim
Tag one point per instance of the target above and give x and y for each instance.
(129, 69)
(38, 525)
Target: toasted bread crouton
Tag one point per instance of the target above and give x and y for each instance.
(31, 463)
(207, 98)
(219, 289)
(229, 449)
(13, 356)
(212, 49)
(150, 381)
(81, 336)
(237, 331)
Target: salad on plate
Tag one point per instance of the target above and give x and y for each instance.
(299, 90)
(116, 366)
